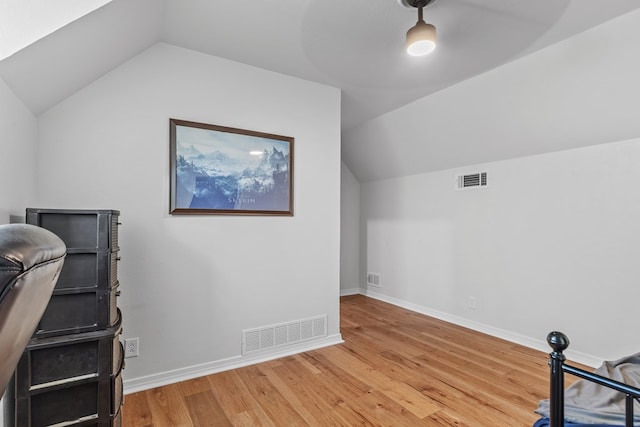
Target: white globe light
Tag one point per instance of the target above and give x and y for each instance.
(421, 48)
(421, 39)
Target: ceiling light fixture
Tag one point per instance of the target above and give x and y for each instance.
(421, 39)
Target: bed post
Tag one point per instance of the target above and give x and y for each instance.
(558, 342)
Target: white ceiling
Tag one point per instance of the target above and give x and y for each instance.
(23, 22)
(355, 45)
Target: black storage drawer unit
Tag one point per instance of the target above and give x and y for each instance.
(85, 296)
(74, 380)
(71, 372)
(88, 270)
(73, 312)
(79, 229)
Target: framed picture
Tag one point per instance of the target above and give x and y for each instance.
(227, 171)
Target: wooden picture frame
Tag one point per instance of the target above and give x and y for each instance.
(220, 170)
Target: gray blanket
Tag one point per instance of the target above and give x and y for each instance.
(589, 403)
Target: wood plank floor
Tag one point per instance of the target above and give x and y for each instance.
(396, 368)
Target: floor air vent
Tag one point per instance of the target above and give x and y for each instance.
(282, 334)
(471, 180)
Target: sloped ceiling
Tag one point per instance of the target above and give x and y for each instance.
(23, 22)
(355, 45)
(55, 67)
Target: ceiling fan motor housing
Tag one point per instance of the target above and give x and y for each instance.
(415, 3)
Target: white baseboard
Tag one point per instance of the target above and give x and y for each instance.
(351, 291)
(163, 378)
(536, 344)
(133, 385)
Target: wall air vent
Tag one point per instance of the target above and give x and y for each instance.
(283, 334)
(373, 279)
(471, 180)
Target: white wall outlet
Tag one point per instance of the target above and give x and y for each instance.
(472, 303)
(131, 347)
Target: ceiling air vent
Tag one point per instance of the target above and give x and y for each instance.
(471, 180)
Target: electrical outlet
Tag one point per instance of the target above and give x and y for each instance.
(472, 303)
(131, 347)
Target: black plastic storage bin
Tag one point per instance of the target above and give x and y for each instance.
(85, 296)
(71, 380)
(71, 371)
(79, 229)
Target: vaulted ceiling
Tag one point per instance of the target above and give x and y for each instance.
(355, 45)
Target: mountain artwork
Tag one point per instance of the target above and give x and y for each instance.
(218, 171)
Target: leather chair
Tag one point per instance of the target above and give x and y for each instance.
(31, 259)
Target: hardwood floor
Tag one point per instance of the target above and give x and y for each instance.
(396, 368)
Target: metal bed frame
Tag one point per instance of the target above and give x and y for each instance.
(559, 342)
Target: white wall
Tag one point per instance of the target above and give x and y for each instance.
(191, 284)
(549, 244)
(349, 232)
(17, 162)
(554, 224)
